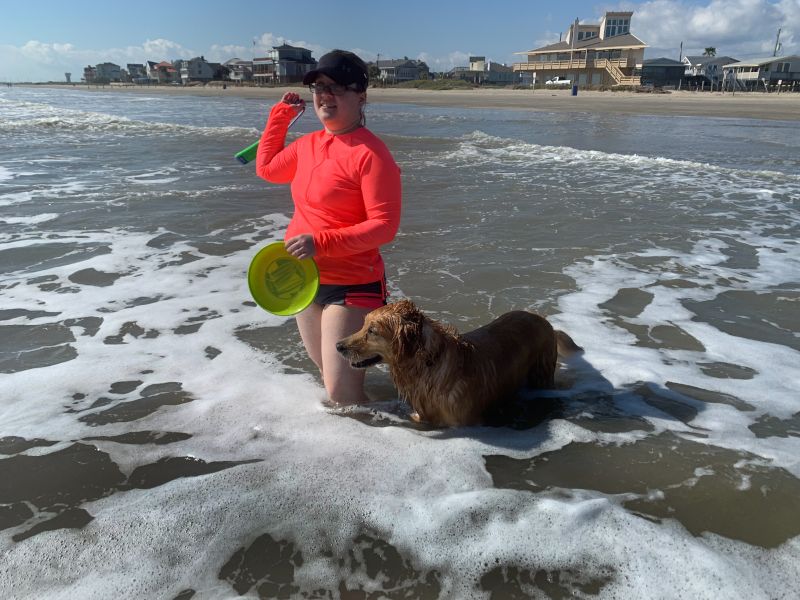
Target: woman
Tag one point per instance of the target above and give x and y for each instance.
(346, 191)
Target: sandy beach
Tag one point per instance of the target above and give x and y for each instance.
(756, 105)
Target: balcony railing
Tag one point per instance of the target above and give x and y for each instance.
(612, 66)
(575, 63)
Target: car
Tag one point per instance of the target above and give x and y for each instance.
(558, 81)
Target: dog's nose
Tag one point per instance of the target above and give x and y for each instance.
(340, 347)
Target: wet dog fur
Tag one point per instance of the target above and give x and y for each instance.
(453, 379)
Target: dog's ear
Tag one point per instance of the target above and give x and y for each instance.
(408, 333)
(405, 308)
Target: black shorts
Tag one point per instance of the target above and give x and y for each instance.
(363, 295)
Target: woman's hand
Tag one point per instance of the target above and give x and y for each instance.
(294, 99)
(301, 246)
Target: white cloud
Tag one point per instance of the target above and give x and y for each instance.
(40, 61)
(738, 28)
(456, 58)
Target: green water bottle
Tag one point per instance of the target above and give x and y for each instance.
(249, 153)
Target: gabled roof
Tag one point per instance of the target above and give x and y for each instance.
(758, 62)
(627, 40)
(702, 61)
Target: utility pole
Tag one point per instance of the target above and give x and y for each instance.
(680, 53)
(777, 43)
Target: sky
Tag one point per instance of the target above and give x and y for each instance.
(41, 40)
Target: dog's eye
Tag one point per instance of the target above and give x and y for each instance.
(371, 331)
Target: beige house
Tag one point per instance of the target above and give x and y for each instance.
(592, 54)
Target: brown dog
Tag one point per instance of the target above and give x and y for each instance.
(451, 379)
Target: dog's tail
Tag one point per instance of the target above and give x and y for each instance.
(566, 347)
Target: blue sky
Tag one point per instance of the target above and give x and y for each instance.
(40, 40)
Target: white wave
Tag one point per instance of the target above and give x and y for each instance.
(15, 198)
(34, 220)
(32, 116)
(481, 148)
(154, 178)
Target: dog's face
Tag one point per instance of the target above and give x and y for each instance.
(390, 334)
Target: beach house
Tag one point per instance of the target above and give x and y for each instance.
(604, 53)
(402, 69)
(137, 73)
(775, 71)
(89, 74)
(163, 72)
(195, 69)
(107, 72)
(283, 64)
(239, 70)
(705, 70)
(662, 72)
(482, 71)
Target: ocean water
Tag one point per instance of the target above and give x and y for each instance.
(163, 437)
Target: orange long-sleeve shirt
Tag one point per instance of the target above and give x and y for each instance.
(346, 191)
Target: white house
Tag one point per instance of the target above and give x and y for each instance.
(482, 71)
(708, 68)
(196, 69)
(403, 69)
(239, 70)
(763, 72)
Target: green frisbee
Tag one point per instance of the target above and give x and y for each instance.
(280, 283)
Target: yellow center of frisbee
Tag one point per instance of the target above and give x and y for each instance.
(284, 278)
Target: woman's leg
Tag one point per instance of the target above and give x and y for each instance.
(309, 322)
(344, 384)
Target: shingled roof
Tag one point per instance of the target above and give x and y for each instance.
(627, 40)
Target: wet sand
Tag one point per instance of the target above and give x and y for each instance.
(753, 105)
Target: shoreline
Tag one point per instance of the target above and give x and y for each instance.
(748, 105)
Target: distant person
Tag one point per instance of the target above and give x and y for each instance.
(347, 197)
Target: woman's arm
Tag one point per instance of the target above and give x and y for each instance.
(382, 192)
(274, 162)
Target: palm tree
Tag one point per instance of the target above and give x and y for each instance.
(710, 51)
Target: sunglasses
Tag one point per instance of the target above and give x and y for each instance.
(336, 89)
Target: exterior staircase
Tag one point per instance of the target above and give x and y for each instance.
(616, 73)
